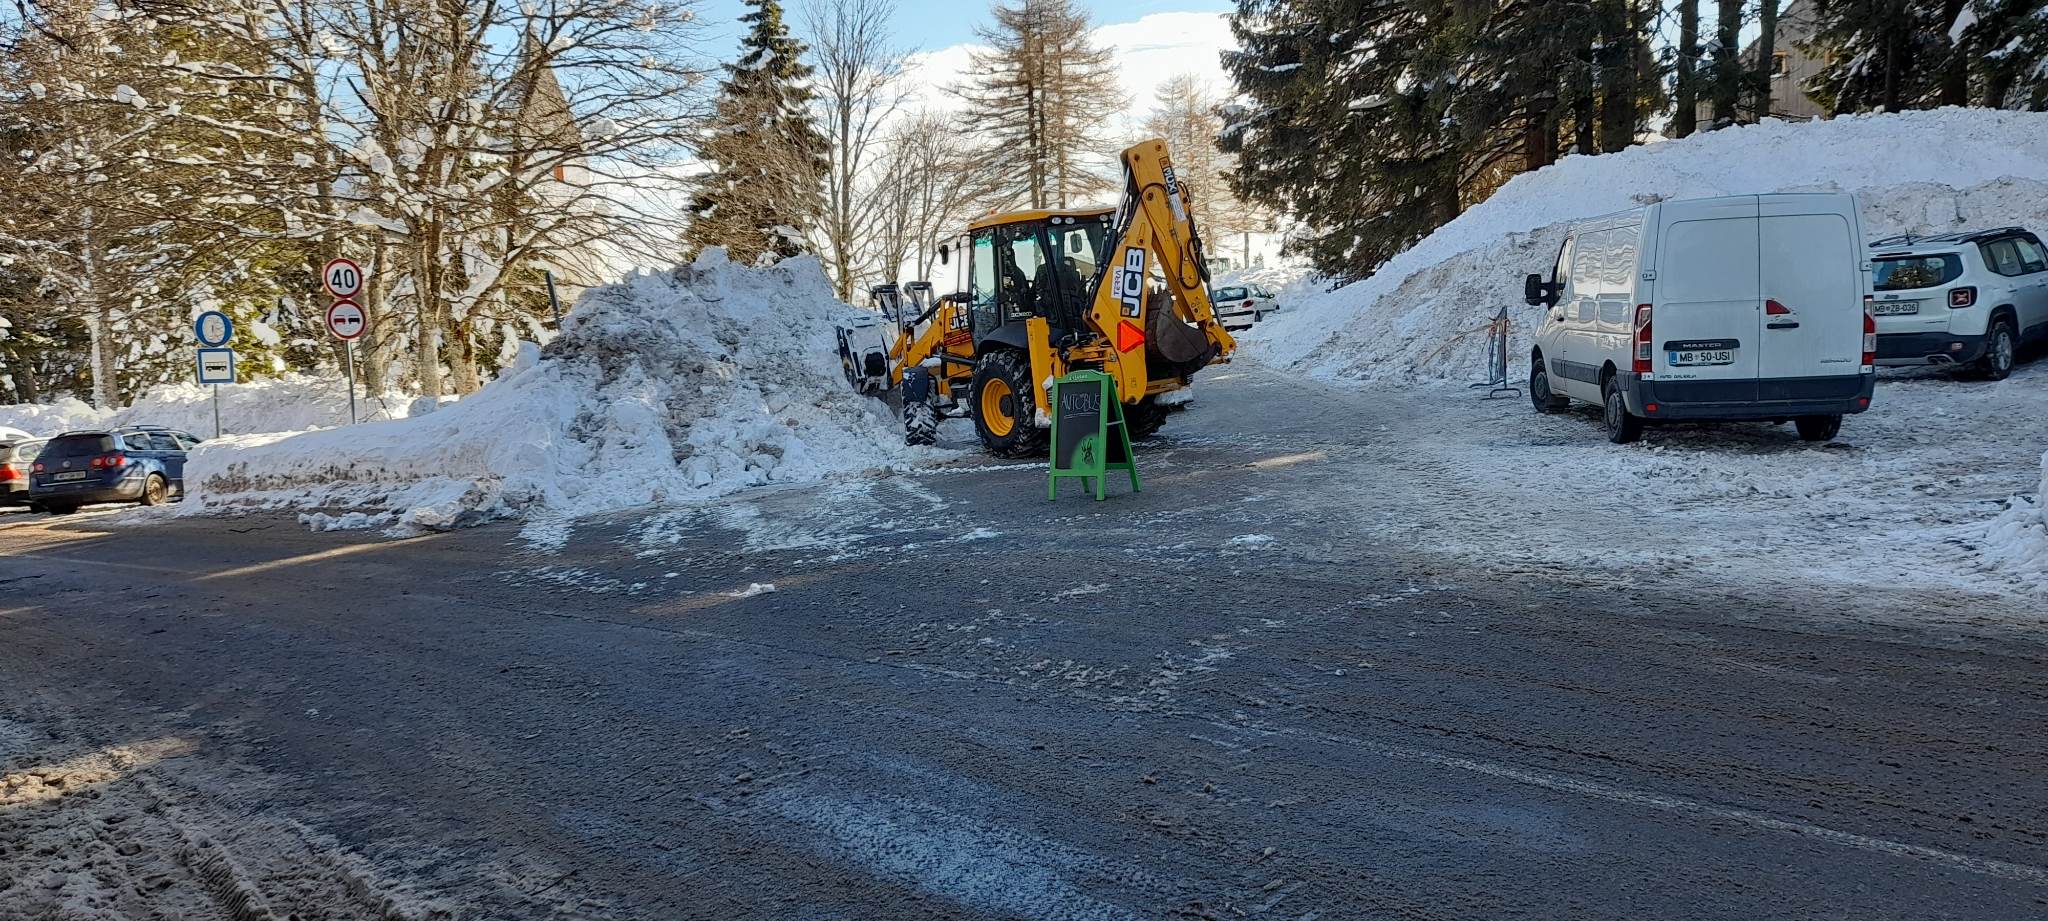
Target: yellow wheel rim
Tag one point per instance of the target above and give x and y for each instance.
(996, 412)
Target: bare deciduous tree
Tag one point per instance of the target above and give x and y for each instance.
(859, 73)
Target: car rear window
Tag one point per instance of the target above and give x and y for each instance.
(79, 446)
(1230, 294)
(26, 450)
(1905, 273)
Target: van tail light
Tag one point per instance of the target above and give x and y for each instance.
(1960, 298)
(9, 473)
(1869, 334)
(1640, 362)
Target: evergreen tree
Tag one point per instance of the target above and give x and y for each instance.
(1685, 103)
(1376, 121)
(1037, 100)
(1882, 54)
(767, 157)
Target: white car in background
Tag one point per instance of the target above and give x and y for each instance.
(1264, 301)
(1235, 307)
(1969, 299)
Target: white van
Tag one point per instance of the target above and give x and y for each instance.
(1746, 307)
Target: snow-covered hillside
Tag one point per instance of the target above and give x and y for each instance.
(1420, 316)
(672, 386)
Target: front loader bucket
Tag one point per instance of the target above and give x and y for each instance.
(1172, 347)
(863, 357)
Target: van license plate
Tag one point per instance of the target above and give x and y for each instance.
(74, 475)
(1702, 357)
(1895, 309)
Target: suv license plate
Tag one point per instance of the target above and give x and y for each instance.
(1896, 309)
(1703, 357)
(67, 477)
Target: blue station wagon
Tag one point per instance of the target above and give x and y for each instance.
(142, 464)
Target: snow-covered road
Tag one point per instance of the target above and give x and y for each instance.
(1906, 500)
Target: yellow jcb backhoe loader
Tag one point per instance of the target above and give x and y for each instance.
(1123, 291)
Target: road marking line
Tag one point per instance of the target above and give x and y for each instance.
(249, 570)
(304, 558)
(72, 559)
(1981, 865)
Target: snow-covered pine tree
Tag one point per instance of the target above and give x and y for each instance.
(1340, 127)
(1881, 54)
(766, 156)
(1037, 100)
(1998, 54)
(1376, 121)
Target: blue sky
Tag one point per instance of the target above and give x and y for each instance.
(929, 25)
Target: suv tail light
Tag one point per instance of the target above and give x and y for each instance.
(109, 462)
(1960, 298)
(1870, 334)
(39, 466)
(1640, 362)
(10, 472)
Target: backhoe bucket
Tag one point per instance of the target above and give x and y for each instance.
(1172, 347)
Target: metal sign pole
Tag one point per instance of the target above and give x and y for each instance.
(216, 410)
(554, 303)
(348, 351)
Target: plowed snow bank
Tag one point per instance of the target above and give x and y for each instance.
(680, 385)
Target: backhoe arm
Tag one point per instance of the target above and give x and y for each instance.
(1154, 231)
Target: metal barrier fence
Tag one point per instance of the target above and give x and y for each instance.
(1496, 382)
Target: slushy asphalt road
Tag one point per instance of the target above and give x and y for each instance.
(1211, 699)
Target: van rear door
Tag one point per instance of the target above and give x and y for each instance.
(1704, 324)
(1813, 287)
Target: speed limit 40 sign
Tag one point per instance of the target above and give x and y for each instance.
(346, 321)
(343, 278)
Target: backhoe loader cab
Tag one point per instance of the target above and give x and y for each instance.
(1044, 292)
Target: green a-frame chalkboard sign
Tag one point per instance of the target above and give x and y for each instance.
(1089, 438)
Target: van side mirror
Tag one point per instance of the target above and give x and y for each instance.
(1539, 293)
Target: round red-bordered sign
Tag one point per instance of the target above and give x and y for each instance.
(343, 278)
(346, 320)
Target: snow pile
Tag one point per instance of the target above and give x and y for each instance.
(2016, 542)
(674, 386)
(294, 402)
(43, 419)
(1422, 314)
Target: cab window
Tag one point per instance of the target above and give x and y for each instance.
(1561, 274)
(982, 313)
(1023, 270)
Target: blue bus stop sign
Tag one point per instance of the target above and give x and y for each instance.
(213, 328)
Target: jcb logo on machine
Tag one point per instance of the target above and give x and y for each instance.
(1130, 282)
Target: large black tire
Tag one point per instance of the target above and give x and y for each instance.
(2000, 345)
(1622, 426)
(1540, 395)
(59, 508)
(155, 491)
(1818, 428)
(920, 423)
(1000, 400)
(1145, 417)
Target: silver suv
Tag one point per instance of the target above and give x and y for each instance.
(1968, 299)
